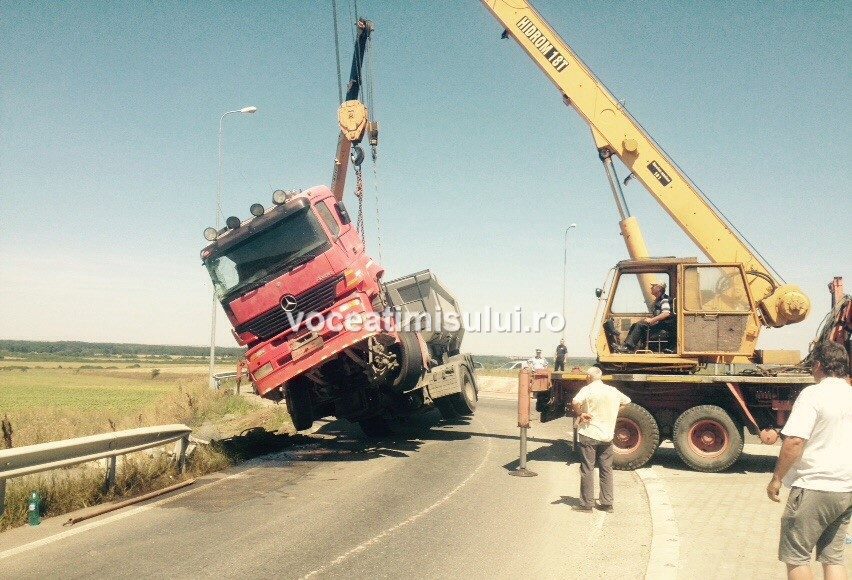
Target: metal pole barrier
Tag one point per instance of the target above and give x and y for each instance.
(523, 422)
(184, 444)
(110, 474)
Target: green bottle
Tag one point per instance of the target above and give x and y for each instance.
(34, 509)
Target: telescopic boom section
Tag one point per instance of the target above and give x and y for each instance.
(616, 133)
(352, 114)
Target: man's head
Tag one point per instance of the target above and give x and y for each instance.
(562, 341)
(538, 352)
(593, 374)
(830, 360)
(658, 289)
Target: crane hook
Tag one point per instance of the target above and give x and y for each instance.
(357, 156)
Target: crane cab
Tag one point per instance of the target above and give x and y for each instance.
(713, 315)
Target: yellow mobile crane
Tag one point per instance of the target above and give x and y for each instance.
(702, 380)
(721, 308)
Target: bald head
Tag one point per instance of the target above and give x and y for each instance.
(594, 373)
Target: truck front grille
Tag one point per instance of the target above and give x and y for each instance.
(276, 321)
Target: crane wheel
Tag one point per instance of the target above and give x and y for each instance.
(637, 437)
(706, 438)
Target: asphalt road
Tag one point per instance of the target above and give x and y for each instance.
(436, 502)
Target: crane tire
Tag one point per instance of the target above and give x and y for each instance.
(707, 439)
(637, 437)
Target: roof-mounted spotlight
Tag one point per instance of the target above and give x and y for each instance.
(256, 209)
(233, 222)
(279, 196)
(210, 234)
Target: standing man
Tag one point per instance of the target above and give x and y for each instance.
(538, 362)
(816, 464)
(597, 406)
(661, 315)
(561, 351)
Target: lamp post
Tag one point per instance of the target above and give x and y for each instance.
(565, 279)
(245, 111)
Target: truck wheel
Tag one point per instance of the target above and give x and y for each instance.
(707, 439)
(410, 362)
(637, 436)
(465, 402)
(299, 405)
(447, 409)
(375, 426)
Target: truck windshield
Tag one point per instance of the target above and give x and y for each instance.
(292, 241)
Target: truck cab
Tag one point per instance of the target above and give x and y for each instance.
(302, 257)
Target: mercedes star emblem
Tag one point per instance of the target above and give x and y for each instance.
(288, 303)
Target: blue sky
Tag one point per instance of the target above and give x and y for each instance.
(109, 114)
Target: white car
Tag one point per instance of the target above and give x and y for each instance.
(515, 365)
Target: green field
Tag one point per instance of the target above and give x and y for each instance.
(80, 389)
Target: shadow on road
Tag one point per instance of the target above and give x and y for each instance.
(340, 440)
(558, 450)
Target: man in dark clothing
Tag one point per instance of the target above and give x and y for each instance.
(561, 351)
(662, 318)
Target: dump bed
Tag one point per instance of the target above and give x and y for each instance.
(423, 293)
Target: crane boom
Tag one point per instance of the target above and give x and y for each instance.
(616, 132)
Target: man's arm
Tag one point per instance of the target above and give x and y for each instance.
(791, 451)
(659, 317)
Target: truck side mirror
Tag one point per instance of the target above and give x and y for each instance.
(598, 292)
(342, 213)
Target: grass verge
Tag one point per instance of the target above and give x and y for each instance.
(49, 404)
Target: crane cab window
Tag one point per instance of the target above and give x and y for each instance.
(716, 309)
(715, 289)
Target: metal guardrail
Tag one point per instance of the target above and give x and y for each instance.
(31, 459)
(222, 377)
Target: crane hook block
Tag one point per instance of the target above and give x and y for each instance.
(352, 117)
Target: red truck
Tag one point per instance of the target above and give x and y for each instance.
(303, 295)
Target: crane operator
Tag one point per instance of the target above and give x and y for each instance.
(662, 319)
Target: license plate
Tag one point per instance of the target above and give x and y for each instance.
(302, 347)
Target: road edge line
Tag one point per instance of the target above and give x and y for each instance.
(664, 555)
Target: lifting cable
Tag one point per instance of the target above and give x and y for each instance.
(337, 51)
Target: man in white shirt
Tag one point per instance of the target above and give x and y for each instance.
(538, 362)
(816, 464)
(596, 405)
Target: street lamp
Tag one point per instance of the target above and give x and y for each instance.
(565, 279)
(244, 110)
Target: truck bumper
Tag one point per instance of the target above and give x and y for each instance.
(281, 358)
